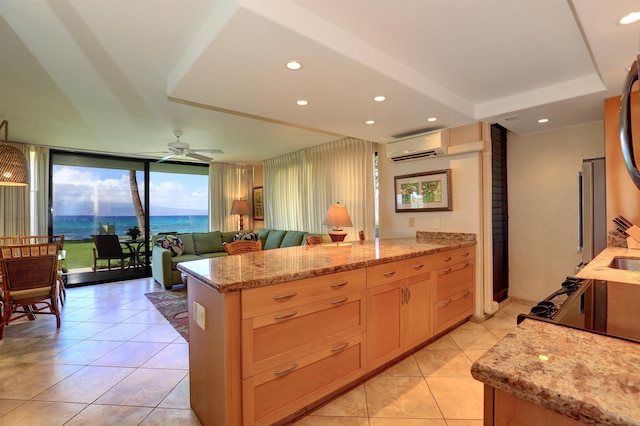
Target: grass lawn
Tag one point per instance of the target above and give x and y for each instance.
(80, 255)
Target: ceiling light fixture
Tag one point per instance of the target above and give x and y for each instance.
(432, 119)
(294, 65)
(302, 102)
(629, 19)
(379, 99)
(543, 120)
(369, 122)
(13, 163)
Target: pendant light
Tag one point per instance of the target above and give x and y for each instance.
(13, 164)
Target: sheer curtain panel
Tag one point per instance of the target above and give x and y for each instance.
(14, 209)
(228, 182)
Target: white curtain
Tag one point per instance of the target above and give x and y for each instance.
(228, 182)
(39, 188)
(14, 210)
(299, 187)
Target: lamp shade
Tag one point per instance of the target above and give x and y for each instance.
(13, 166)
(337, 216)
(240, 207)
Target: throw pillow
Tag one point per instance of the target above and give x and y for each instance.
(249, 236)
(171, 243)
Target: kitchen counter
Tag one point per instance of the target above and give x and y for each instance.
(233, 273)
(599, 268)
(585, 376)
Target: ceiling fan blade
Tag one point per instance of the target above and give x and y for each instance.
(211, 151)
(199, 157)
(166, 158)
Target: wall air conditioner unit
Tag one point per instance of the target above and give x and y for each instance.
(418, 146)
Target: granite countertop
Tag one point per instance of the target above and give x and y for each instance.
(599, 268)
(586, 376)
(232, 273)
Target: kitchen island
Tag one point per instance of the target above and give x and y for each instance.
(549, 374)
(274, 333)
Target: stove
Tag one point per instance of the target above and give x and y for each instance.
(582, 304)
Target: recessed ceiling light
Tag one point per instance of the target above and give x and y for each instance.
(369, 122)
(379, 98)
(431, 119)
(294, 65)
(543, 120)
(302, 102)
(629, 19)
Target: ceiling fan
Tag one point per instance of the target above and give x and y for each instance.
(179, 148)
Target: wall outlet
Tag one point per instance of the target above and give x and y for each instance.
(412, 222)
(198, 313)
(436, 223)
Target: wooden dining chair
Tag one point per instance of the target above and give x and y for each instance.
(313, 239)
(9, 240)
(30, 282)
(59, 240)
(243, 246)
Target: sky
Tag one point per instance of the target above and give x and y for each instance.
(106, 192)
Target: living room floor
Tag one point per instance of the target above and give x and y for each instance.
(116, 360)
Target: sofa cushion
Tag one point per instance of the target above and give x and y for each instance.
(274, 239)
(183, 258)
(292, 238)
(262, 235)
(207, 242)
(227, 237)
(172, 243)
(187, 241)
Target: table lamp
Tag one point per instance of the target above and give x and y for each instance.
(240, 207)
(337, 216)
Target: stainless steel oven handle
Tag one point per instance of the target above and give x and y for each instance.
(626, 139)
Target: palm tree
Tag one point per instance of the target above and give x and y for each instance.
(137, 203)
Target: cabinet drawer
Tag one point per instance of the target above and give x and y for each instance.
(278, 337)
(453, 279)
(262, 300)
(278, 392)
(451, 257)
(449, 311)
(401, 269)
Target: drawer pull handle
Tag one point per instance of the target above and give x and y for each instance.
(466, 293)
(447, 302)
(418, 267)
(408, 295)
(404, 295)
(286, 370)
(466, 254)
(389, 274)
(448, 270)
(447, 259)
(338, 285)
(466, 265)
(337, 302)
(285, 296)
(340, 348)
(285, 316)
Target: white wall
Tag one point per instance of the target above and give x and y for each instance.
(543, 206)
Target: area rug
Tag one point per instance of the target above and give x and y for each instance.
(172, 304)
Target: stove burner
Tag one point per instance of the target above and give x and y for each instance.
(544, 309)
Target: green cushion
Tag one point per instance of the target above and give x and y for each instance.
(292, 239)
(187, 241)
(207, 242)
(274, 239)
(184, 258)
(262, 235)
(227, 237)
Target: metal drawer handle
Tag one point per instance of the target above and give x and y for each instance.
(340, 348)
(448, 270)
(286, 370)
(420, 266)
(285, 296)
(447, 302)
(404, 295)
(389, 274)
(285, 316)
(447, 259)
(466, 254)
(408, 294)
(466, 293)
(338, 285)
(337, 302)
(466, 265)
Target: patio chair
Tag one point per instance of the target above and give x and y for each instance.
(30, 280)
(108, 247)
(243, 246)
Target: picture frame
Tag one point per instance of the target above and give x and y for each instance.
(423, 192)
(258, 203)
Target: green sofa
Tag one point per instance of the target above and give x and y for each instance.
(203, 245)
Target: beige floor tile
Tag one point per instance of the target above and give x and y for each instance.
(178, 397)
(144, 388)
(170, 416)
(82, 314)
(500, 321)
(406, 367)
(451, 422)
(407, 422)
(84, 352)
(458, 398)
(7, 405)
(31, 381)
(174, 356)
(150, 316)
(351, 404)
(107, 415)
(474, 338)
(444, 342)
(39, 350)
(36, 413)
(84, 330)
(400, 397)
(443, 363)
(332, 421)
(474, 354)
(86, 385)
(130, 354)
(161, 333)
(500, 332)
(115, 315)
(121, 334)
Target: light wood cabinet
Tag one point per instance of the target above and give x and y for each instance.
(398, 317)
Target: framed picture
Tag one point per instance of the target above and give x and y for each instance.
(258, 204)
(423, 192)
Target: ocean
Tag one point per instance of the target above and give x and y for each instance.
(82, 227)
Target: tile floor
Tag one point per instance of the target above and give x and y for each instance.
(116, 360)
